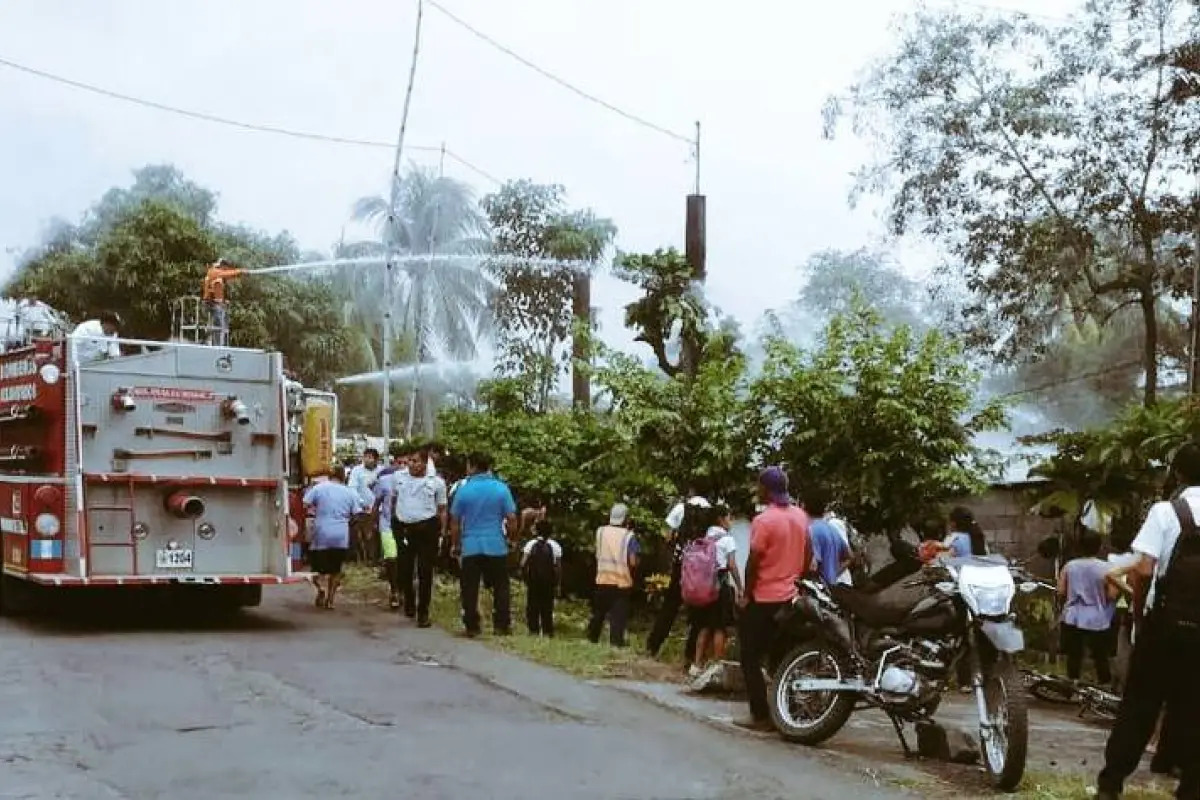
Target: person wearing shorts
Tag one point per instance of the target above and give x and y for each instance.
(333, 505)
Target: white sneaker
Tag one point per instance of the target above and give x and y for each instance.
(706, 677)
(694, 671)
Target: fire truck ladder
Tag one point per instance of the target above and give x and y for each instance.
(131, 544)
(191, 322)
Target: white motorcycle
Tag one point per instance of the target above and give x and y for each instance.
(897, 650)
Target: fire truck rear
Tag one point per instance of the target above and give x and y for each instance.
(174, 464)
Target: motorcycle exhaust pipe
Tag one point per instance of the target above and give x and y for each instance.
(185, 506)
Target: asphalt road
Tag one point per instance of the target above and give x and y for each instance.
(288, 702)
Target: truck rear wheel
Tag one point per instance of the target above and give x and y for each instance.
(16, 596)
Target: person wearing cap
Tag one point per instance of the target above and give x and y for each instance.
(96, 339)
(779, 554)
(673, 599)
(616, 562)
(213, 295)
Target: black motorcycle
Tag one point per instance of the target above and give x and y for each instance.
(897, 648)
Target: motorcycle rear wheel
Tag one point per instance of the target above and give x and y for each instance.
(1005, 750)
(835, 707)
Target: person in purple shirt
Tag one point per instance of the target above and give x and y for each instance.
(1088, 610)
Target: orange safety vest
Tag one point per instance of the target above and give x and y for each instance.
(612, 557)
(214, 282)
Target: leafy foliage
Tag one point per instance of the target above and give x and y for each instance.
(835, 280)
(1050, 161)
(1119, 467)
(671, 308)
(579, 462)
(137, 258)
(533, 307)
(882, 420)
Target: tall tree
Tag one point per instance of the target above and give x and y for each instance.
(151, 253)
(835, 280)
(1050, 161)
(442, 304)
(538, 303)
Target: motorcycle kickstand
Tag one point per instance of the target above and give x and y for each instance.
(899, 727)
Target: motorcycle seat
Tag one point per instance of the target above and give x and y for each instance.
(876, 610)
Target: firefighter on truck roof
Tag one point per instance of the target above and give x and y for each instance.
(214, 299)
(92, 345)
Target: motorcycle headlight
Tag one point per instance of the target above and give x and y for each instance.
(988, 601)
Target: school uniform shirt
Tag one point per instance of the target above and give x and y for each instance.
(418, 499)
(1159, 534)
(555, 549)
(675, 517)
(362, 480)
(725, 547)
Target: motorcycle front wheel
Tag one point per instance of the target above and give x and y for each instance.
(1004, 733)
(803, 717)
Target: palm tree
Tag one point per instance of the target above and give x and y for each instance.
(442, 308)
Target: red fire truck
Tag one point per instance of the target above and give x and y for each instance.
(173, 464)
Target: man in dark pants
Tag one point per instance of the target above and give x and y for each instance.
(420, 503)
(616, 563)
(673, 600)
(482, 513)
(1166, 649)
(779, 555)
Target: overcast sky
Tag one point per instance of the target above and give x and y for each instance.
(755, 73)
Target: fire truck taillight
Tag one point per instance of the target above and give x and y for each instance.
(48, 496)
(206, 531)
(140, 530)
(234, 408)
(122, 400)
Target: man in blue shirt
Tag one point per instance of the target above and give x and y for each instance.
(479, 513)
(830, 551)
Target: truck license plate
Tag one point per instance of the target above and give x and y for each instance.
(173, 559)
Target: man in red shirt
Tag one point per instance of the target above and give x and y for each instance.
(779, 555)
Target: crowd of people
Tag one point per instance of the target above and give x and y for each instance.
(407, 508)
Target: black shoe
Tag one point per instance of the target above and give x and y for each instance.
(470, 634)
(424, 623)
(503, 632)
(411, 613)
(1102, 794)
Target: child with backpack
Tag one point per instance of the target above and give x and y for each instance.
(541, 567)
(711, 583)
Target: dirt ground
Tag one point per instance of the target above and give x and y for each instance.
(1060, 742)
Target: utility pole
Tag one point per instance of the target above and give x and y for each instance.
(392, 241)
(694, 237)
(1194, 371)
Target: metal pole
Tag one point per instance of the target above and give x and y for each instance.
(1194, 371)
(392, 240)
(696, 146)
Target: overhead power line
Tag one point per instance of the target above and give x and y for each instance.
(234, 123)
(556, 79)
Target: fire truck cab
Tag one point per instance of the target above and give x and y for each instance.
(173, 464)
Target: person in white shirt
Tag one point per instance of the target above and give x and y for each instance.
(420, 521)
(96, 339)
(673, 600)
(1166, 648)
(541, 567)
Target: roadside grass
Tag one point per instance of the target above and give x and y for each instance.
(1073, 786)
(569, 650)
